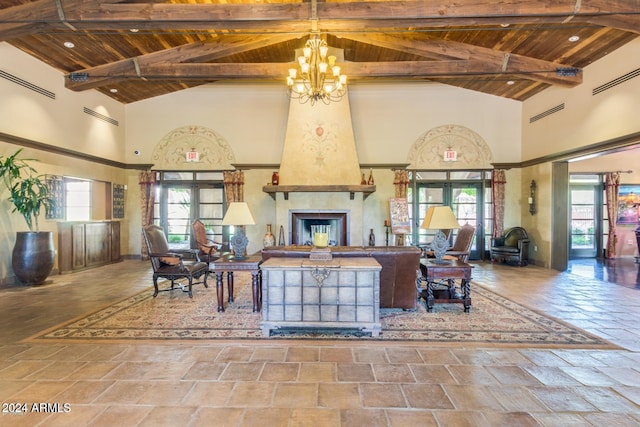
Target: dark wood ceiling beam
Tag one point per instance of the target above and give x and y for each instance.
(37, 16)
(278, 71)
(630, 23)
(445, 49)
(91, 11)
(199, 51)
(451, 68)
(282, 17)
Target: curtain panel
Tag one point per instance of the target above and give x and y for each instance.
(612, 185)
(498, 183)
(401, 183)
(147, 181)
(234, 186)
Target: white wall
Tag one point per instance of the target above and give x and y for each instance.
(586, 119)
(62, 121)
(252, 118)
(387, 119)
(59, 122)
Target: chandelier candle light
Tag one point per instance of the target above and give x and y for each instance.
(440, 218)
(319, 77)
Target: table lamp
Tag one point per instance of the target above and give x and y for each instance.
(238, 214)
(439, 218)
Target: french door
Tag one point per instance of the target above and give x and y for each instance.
(465, 199)
(179, 204)
(585, 220)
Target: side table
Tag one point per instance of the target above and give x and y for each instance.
(432, 272)
(228, 263)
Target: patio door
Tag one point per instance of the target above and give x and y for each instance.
(585, 221)
(178, 205)
(466, 202)
(175, 203)
(465, 199)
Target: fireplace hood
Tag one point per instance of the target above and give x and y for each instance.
(319, 153)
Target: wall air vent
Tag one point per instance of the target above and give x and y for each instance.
(616, 82)
(101, 116)
(24, 83)
(544, 114)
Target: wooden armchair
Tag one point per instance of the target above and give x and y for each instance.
(512, 247)
(208, 250)
(461, 248)
(170, 265)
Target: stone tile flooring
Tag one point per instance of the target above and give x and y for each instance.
(317, 383)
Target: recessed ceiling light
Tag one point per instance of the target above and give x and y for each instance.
(573, 39)
(113, 90)
(504, 25)
(69, 45)
(511, 82)
(134, 30)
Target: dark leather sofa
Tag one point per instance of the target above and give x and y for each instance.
(397, 277)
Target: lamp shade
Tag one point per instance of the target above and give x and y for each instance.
(440, 218)
(238, 213)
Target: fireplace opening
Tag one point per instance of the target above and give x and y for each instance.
(301, 222)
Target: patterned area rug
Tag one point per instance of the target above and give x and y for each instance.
(174, 316)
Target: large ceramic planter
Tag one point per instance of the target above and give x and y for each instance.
(33, 256)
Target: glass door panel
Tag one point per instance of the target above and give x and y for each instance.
(178, 217)
(465, 199)
(466, 205)
(211, 211)
(428, 195)
(583, 231)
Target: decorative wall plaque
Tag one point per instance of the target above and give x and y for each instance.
(56, 187)
(118, 201)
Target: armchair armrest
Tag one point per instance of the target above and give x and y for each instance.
(165, 254)
(522, 243)
(169, 258)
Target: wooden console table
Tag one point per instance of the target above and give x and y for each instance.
(229, 263)
(341, 293)
(432, 272)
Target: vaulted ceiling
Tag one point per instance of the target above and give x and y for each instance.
(134, 50)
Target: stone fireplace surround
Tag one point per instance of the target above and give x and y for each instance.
(337, 208)
(301, 221)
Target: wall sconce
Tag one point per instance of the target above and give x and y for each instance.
(532, 198)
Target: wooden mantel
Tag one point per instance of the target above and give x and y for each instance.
(351, 189)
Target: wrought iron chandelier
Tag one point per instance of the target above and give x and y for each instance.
(318, 77)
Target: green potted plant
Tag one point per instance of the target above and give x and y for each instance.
(34, 252)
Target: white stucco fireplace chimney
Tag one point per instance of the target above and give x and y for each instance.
(319, 170)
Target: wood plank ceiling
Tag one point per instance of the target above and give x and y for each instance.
(132, 50)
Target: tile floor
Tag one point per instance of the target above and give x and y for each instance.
(321, 384)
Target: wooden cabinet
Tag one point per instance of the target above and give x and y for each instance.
(87, 244)
(342, 293)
